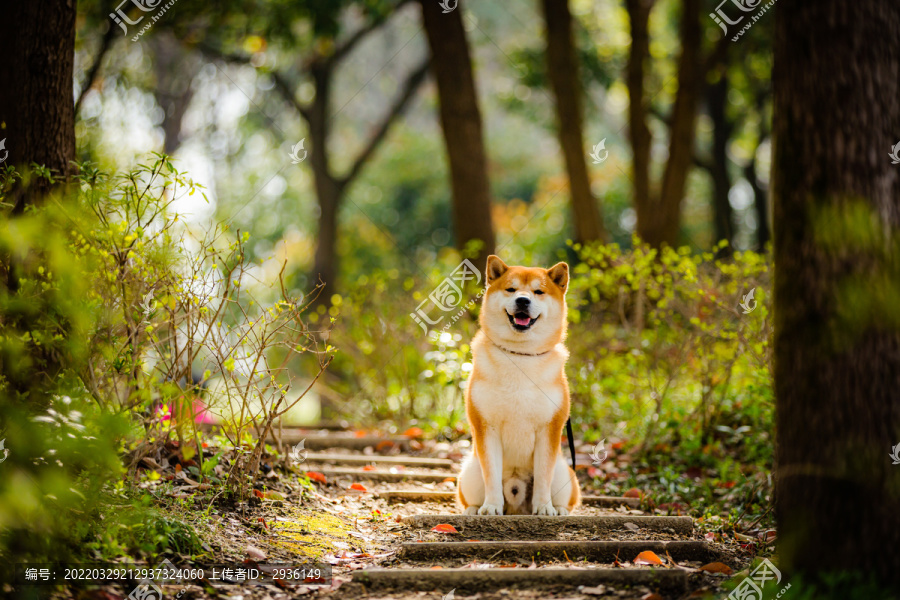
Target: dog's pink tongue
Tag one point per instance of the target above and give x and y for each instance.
(523, 321)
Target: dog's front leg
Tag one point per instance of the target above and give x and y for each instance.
(490, 455)
(544, 460)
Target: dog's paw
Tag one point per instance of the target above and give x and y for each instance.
(490, 509)
(545, 510)
(562, 511)
(471, 510)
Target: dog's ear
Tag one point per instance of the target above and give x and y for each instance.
(559, 274)
(495, 268)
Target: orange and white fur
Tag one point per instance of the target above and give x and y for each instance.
(517, 400)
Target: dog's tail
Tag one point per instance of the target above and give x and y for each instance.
(515, 491)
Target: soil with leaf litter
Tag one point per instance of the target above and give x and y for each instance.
(296, 516)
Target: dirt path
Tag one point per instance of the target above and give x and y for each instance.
(389, 529)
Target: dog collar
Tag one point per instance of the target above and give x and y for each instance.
(513, 351)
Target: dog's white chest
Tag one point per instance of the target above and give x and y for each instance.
(518, 397)
(520, 390)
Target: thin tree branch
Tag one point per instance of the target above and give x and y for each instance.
(287, 92)
(344, 48)
(105, 45)
(280, 80)
(415, 79)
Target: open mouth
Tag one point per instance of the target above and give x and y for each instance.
(521, 321)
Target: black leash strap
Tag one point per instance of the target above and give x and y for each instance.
(571, 440)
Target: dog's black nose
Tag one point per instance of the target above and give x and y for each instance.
(522, 301)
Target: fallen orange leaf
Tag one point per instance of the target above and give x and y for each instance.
(444, 528)
(717, 567)
(437, 567)
(633, 493)
(369, 468)
(258, 494)
(414, 432)
(358, 486)
(316, 476)
(647, 558)
(359, 433)
(384, 445)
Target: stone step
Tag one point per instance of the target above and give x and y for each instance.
(602, 552)
(322, 442)
(392, 476)
(479, 580)
(362, 459)
(531, 525)
(429, 496)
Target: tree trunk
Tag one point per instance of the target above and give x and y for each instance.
(641, 138)
(717, 101)
(760, 204)
(562, 69)
(664, 222)
(836, 344)
(175, 68)
(328, 191)
(37, 107)
(760, 194)
(461, 122)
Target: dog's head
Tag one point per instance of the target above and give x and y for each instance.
(524, 309)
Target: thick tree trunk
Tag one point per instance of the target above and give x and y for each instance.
(461, 122)
(641, 138)
(562, 68)
(328, 191)
(837, 344)
(717, 100)
(663, 223)
(659, 216)
(37, 107)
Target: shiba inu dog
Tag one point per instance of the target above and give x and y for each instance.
(517, 400)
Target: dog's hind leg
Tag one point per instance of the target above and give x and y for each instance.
(566, 495)
(470, 486)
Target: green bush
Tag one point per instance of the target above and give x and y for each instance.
(109, 305)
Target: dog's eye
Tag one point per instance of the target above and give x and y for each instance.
(510, 289)
(538, 291)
